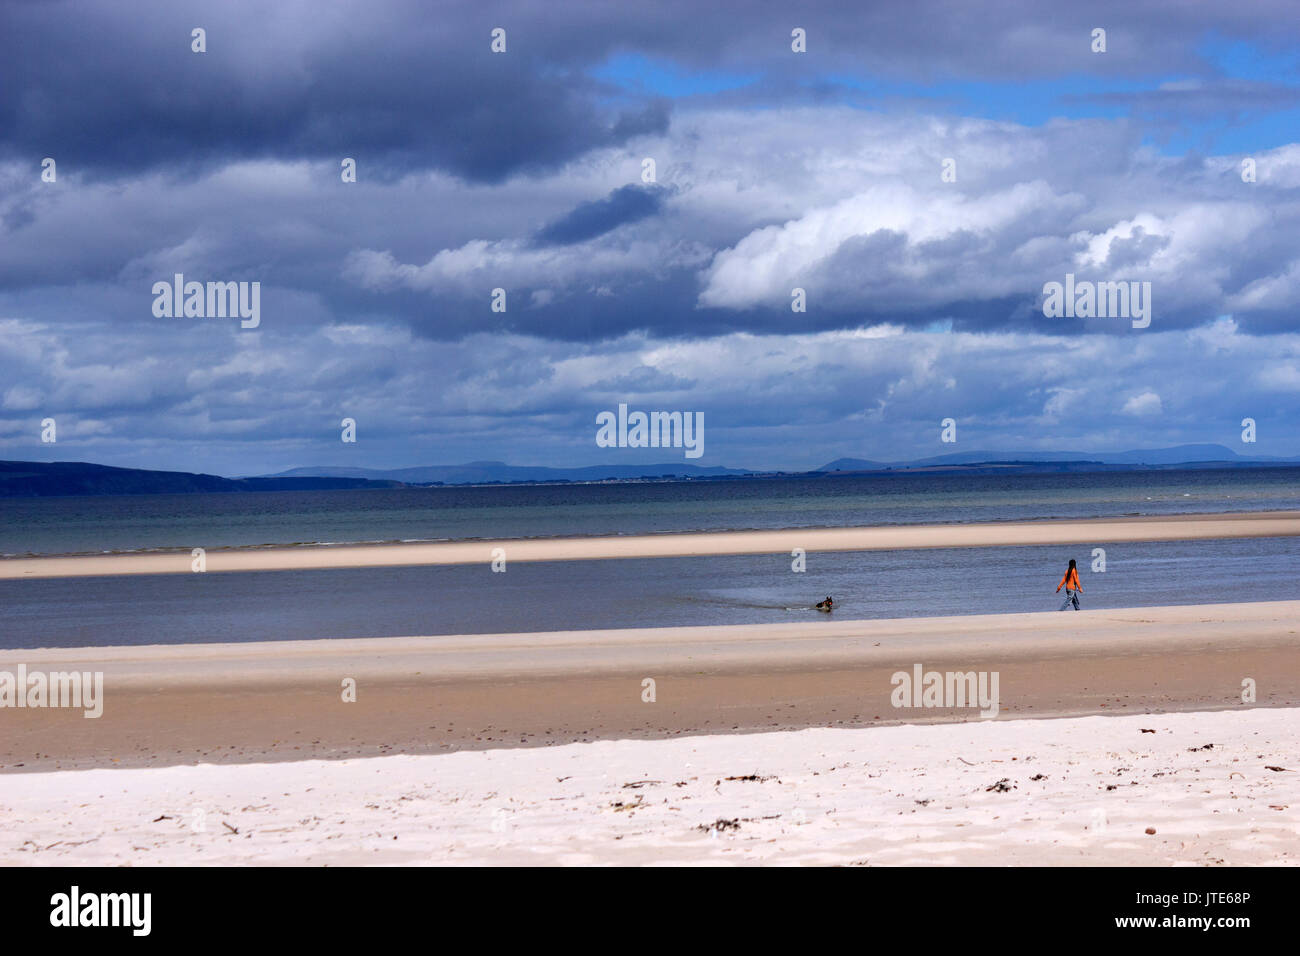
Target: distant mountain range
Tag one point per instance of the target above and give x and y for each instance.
(1179, 455)
(33, 479)
(26, 479)
(485, 472)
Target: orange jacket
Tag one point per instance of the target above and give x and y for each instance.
(1071, 580)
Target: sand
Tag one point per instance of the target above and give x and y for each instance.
(1198, 791)
(542, 749)
(1083, 532)
(282, 701)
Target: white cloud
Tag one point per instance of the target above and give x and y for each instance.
(764, 266)
(20, 398)
(1061, 401)
(1280, 378)
(273, 400)
(1148, 403)
(850, 205)
(846, 203)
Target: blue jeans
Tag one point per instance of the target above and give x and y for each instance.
(1070, 597)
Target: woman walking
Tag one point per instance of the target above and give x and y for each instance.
(1071, 584)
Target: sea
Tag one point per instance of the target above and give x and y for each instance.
(626, 593)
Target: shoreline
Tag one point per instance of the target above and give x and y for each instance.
(1208, 526)
(282, 701)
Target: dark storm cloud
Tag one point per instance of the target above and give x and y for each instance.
(114, 90)
(398, 87)
(626, 204)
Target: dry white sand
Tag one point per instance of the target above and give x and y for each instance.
(1071, 791)
(991, 534)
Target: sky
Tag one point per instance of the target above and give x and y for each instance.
(526, 171)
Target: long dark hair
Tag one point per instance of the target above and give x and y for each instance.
(1071, 567)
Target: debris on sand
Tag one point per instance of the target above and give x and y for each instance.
(1002, 786)
(720, 825)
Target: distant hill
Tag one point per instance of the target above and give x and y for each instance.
(484, 472)
(1175, 456)
(855, 464)
(36, 479)
(26, 479)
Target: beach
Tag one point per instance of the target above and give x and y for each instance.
(615, 745)
(1122, 738)
(604, 434)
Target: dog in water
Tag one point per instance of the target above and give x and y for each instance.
(826, 605)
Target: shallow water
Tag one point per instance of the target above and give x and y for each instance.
(742, 589)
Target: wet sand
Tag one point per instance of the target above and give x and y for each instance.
(283, 701)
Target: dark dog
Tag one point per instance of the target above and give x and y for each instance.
(826, 605)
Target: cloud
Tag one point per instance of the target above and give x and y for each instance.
(591, 219)
(887, 240)
(522, 171)
(216, 399)
(20, 398)
(1282, 377)
(857, 215)
(402, 91)
(384, 83)
(1148, 403)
